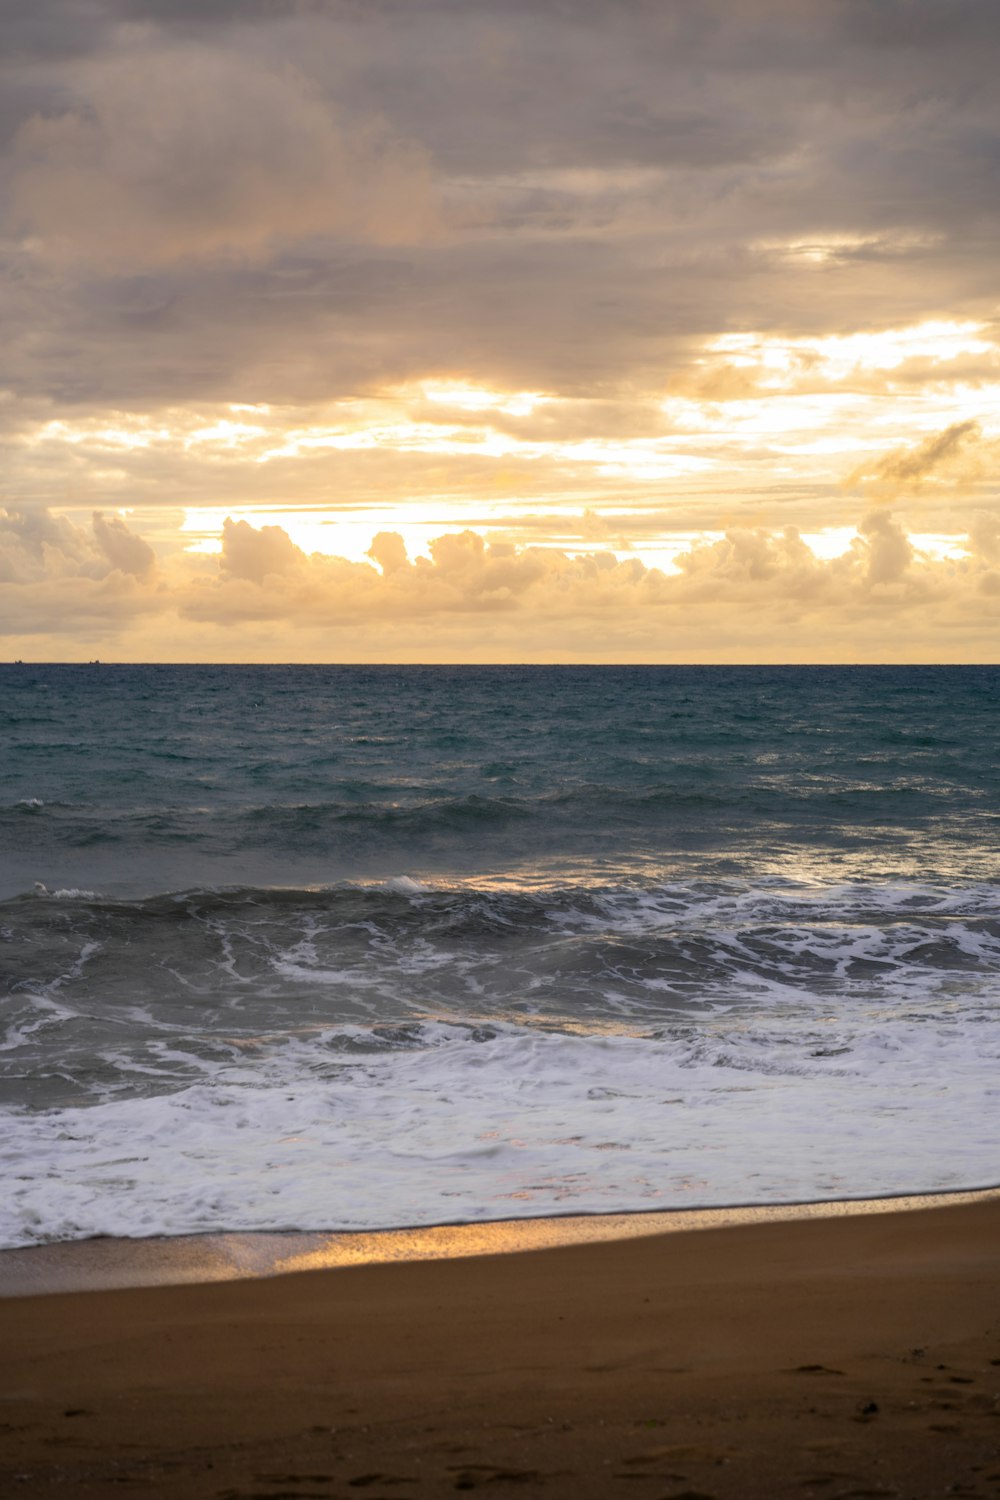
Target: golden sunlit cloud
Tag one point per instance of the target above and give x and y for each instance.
(835, 357)
(320, 278)
(822, 250)
(821, 406)
(476, 398)
(471, 598)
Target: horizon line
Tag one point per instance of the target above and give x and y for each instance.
(503, 665)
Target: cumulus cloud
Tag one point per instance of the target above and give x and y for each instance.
(389, 550)
(257, 553)
(35, 545)
(746, 560)
(754, 569)
(885, 549)
(881, 565)
(124, 551)
(750, 586)
(59, 578)
(984, 536)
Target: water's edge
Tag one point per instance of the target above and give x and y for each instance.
(107, 1263)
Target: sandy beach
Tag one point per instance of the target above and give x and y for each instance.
(854, 1355)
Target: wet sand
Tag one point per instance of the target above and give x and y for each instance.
(831, 1356)
(104, 1264)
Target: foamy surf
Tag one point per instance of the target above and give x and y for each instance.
(465, 1126)
(420, 946)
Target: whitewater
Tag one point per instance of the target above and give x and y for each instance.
(356, 948)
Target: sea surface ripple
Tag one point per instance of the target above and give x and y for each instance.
(357, 947)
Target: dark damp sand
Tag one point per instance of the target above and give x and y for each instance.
(844, 1356)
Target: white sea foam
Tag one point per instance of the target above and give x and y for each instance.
(516, 1123)
(69, 893)
(456, 946)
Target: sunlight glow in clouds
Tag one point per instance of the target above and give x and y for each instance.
(837, 356)
(350, 537)
(346, 535)
(476, 398)
(809, 397)
(727, 357)
(821, 250)
(839, 394)
(473, 598)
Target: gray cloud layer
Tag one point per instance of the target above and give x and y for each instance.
(309, 205)
(279, 200)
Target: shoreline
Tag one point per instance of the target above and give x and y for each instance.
(824, 1356)
(111, 1263)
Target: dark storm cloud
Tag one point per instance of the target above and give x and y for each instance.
(282, 201)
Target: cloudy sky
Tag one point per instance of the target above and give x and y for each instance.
(444, 330)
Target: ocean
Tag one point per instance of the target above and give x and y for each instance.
(362, 947)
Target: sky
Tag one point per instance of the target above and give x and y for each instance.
(500, 330)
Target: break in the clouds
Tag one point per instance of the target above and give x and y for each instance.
(634, 295)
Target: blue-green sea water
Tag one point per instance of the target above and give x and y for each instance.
(352, 947)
